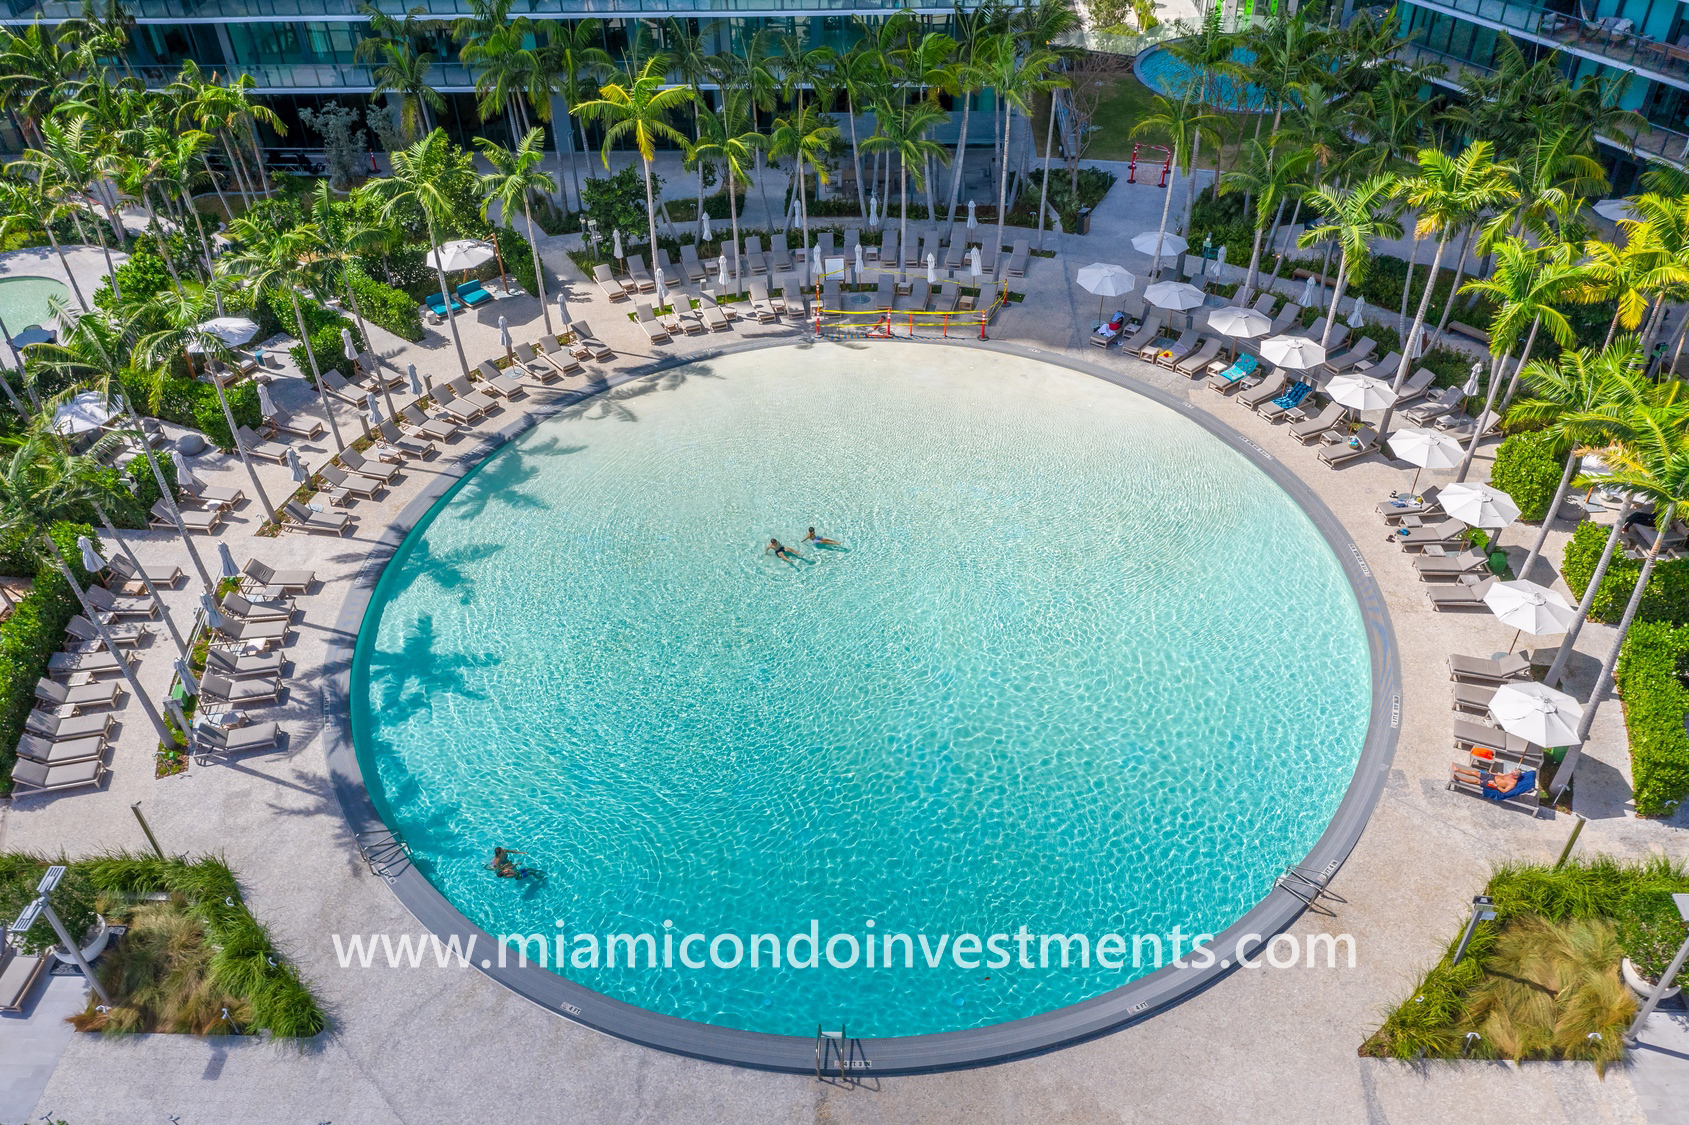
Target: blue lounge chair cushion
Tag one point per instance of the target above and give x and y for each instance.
(473, 293)
(1527, 782)
(1244, 365)
(439, 306)
(1293, 396)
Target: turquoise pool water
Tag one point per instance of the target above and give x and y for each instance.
(23, 301)
(1169, 76)
(1081, 669)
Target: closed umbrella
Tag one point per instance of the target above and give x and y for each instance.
(973, 263)
(973, 220)
(1355, 320)
(297, 467)
(1105, 280)
(1470, 390)
(932, 270)
(662, 299)
(1480, 505)
(816, 266)
(186, 675)
(461, 254)
(504, 329)
(861, 266)
(1307, 297)
(1425, 449)
(721, 277)
(373, 410)
(873, 209)
(1537, 713)
(416, 383)
(1293, 353)
(1360, 392)
(1239, 322)
(233, 331)
(184, 475)
(230, 570)
(213, 615)
(91, 560)
(709, 235)
(616, 247)
(266, 404)
(1177, 296)
(1170, 244)
(347, 346)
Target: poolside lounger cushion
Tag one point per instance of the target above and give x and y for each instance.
(46, 779)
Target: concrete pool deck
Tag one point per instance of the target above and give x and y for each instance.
(446, 1044)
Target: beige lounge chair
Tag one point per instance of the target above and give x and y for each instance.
(235, 666)
(394, 442)
(51, 779)
(1268, 389)
(432, 429)
(356, 462)
(498, 382)
(236, 630)
(78, 697)
(641, 276)
(56, 728)
(258, 447)
(215, 688)
(291, 581)
(304, 519)
(194, 519)
(1486, 670)
(355, 483)
(160, 574)
(96, 664)
(283, 422)
(234, 740)
(657, 333)
(121, 605)
(1321, 424)
(61, 752)
(587, 344)
(1016, 266)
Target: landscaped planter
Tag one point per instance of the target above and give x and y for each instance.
(96, 945)
(1639, 984)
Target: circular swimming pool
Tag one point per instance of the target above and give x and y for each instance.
(25, 301)
(1167, 75)
(1077, 682)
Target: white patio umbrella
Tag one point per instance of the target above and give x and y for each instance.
(973, 263)
(1177, 296)
(372, 409)
(1171, 244)
(1537, 713)
(213, 615)
(1105, 280)
(1293, 353)
(266, 404)
(1479, 505)
(721, 277)
(230, 570)
(1614, 210)
(91, 560)
(232, 330)
(347, 346)
(662, 299)
(1355, 320)
(297, 468)
(932, 270)
(1360, 392)
(187, 677)
(1307, 297)
(416, 383)
(83, 414)
(973, 219)
(184, 475)
(460, 254)
(709, 234)
(1425, 449)
(1529, 608)
(504, 328)
(1239, 322)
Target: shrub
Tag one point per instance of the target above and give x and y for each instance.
(1650, 932)
(140, 279)
(324, 325)
(387, 307)
(1528, 468)
(29, 638)
(1655, 703)
(618, 202)
(518, 260)
(1667, 596)
(189, 402)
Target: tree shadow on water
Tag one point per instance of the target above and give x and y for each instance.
(406, 682)
(446, 568)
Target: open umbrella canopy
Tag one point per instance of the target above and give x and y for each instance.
(1525, 605)
(83, 414)
(1537, 713)
(1106, 280)
(1175, 295)
(463, 254)
(1615, 210)
(1238, 322)
(1426, 448)
(1145, 243)
(1293, 353)
(232, 330)
(1360, 392)
(1479, 505)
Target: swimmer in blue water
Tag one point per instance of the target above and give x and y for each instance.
(504, 869)
(820, 540)
(780, 551)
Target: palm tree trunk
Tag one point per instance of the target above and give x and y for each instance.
(1407, 282)
(1161, 236)
(762, 189)
(205, 248)
(167, 495)
(803, 215)
(47, 225)
(258, 157)
(1254, 271)
(650, 207)
(1044, 191)
(733, 214)
(902, 219)
(215, 186)
(1478, 430)
(961, 155)
(363, 327)
(1519, 368)
(1572, 460)
(1003, 181)
(1459, 272)
(1587, 602)
(1413, 334)
(1190, 186)
(855, 157)
(1336, 296)
(158, 237)
(1563, 776)
(1295, 213)
(539, 273)
(316, 372)
(240, 448)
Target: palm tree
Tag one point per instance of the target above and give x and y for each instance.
(273, 260)
(404, 71)
(1525, 287)
(1651, 462)
(572, 52)
(804, 136)
(856, 71)
(636, 105)
(1015, 79)
(729, 138)
(1445, 190)
(429, 178)
(515, 177)
(690, 58)
(1267, 179)
(1622, 274)
(1179, 124)
(343, 237)
(506, 73)
(902, 130)
(69, 156)
(1207, 53)
(1354, 218)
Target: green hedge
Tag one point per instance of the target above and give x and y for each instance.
(190, 402)
(325, 325)
(1655, 703)
(29, 638)
(1667, 596)
(1528, 468)
(518, 260)
(387, 307)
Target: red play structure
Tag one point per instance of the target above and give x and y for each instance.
(1166, 163)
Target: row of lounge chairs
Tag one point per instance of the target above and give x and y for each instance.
(1491, 753)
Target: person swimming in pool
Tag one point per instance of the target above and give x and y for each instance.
(504, 869)
(820, 540)
(780, 551)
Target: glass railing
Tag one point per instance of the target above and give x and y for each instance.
(1611, 39)
(54, 10)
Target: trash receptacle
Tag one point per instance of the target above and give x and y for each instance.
(1084, 220)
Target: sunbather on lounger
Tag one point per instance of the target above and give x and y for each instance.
(1499, 786)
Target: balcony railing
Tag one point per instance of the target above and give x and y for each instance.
(1611, 40)
(1650, 140)
(226, 10)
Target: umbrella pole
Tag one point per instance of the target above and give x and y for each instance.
(1515, 643)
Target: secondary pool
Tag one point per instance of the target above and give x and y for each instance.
(1167, 75)
(1077, 666)
(25, 301)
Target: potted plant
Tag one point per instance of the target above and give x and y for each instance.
(1650, 932)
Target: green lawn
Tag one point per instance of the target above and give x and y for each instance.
(1125, 102)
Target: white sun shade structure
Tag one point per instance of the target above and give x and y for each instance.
(232, 330)
(1360, 392)
(83, 414)
(1105, 280)
(1537, 713)
(1177, 296)
(1529, 608)
(1425, 449)
(1170, 244)
(1479, 505)
(463, 254)
(1293, 353)
(1616, 210)
(1239, 322)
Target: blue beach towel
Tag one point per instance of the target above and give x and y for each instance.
(1527, 782)
(1293, 396)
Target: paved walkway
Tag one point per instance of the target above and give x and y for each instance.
(448, 1045)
